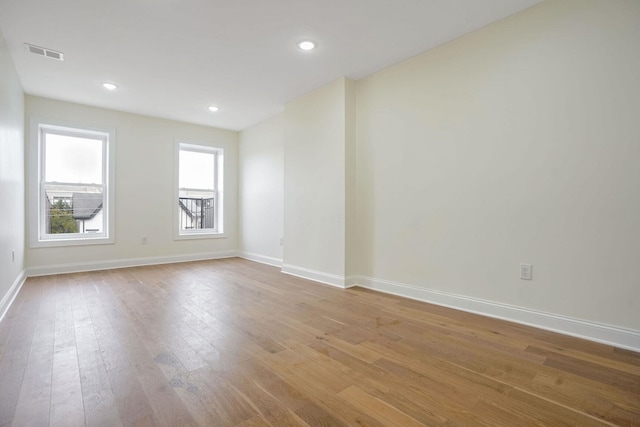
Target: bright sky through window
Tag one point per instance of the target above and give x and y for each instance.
(73, 159)
(196, 170)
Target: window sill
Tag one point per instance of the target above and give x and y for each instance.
(71, 242)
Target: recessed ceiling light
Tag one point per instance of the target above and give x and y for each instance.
(213, 108)
(306, 45)
(109, 86)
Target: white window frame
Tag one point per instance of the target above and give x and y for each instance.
(207, 233)
(37, 236)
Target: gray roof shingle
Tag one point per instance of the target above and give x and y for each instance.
(86, 205)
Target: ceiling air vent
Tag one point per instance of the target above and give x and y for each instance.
(43, 51)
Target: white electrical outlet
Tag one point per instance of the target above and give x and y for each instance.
(144, 241)
(525, 271)
(281, 241)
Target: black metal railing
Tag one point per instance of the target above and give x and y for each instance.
(196, 213)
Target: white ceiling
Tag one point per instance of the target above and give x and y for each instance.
(173, 58)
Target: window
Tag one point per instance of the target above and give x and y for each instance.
(71, 185)
(199, 191)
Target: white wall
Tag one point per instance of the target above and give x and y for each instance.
(314, 183)
(350, 185)
(516, 143)
(12, 210)
(144, 189)
(261, 196)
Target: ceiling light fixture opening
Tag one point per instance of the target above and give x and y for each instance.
(109, 86)
(306, 45)
(213, 108)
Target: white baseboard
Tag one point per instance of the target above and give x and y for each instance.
(317, 276)
(123, 263)
(351, 281)
(276, 262)
(7, 300)
(606, 334)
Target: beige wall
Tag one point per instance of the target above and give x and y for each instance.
(144, 186)
(261, 174)
(12, 209)
(314, 181)
(518, 143)
(350, 185)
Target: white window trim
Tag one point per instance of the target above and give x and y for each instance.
(218, 232)
(34, 182)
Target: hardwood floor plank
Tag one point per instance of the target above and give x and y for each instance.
(97, 395)
(132, 403)
(35, 394)
(283, 391)
(207, 404)
(594, 371)
(236, 343)
(257, 421)
(566, 389)
(391, 389)
(314, 415)
(321, 394)
(381, 410)
(264, 403)
(166, 405)
(9, 320)
(67, 407)
(16, 353)
(550, 351)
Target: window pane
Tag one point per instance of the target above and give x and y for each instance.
(196, 170)
(73, 209)
(72, 159)
(196, 210)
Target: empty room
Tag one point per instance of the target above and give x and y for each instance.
(320, 213)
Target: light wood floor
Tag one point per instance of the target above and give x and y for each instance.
(236, 343)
